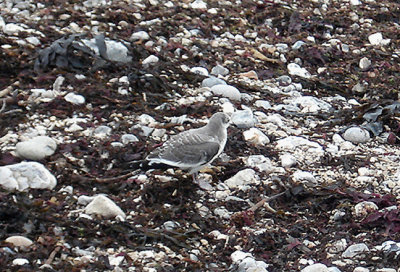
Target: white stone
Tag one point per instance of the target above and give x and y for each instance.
(211, 81)
(150, 60)
(20, 261)
(102, 205)
(219, 70)
(356, 135)
(295, 70)
(222, 212)
(293, 142)
(355, 2)
(309, 104)
(19, 241)
(365, 63)
(361, 269)
(198, 4)
(364, 208)
(140, 35)
(12, 29)
(377, 39)
(317, 267)
(58, 83)
(227, 91)
(355, 250)
(102, 131)
(304, 177)
(256, 137)
(75, 99)
(239, 255)
(199, 70)
(24, 175)
(338, 246)
(259, 162)
(263, 104)
(33, 40)
(243, 178)
(36, 148)
(129, 138)
(243, 119)
(288, 160)
(145, 119)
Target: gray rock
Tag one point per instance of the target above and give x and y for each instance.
(150, 60)
(355, 250)
(293, 142)
(219, 70)
(356, 135)
(288, 160)
(102, 205)
(297, 45)
(24, 175)
(309, 104)
(36, 148)
(199, 70)
(260, 162)
(212, 81)
(227, 91)
(243, 119)
(305, 177)
(364, 208)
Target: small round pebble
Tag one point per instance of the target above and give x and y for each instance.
(356, 135)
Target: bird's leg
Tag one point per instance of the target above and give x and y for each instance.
(195, 175)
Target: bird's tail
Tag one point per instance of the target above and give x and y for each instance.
(145, 165)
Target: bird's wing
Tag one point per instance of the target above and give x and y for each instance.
(186, 150)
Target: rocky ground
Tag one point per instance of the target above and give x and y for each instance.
(312, 88)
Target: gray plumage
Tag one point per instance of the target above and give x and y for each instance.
(193, 149)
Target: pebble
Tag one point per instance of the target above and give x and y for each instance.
(12, 29)
(19, 241)
(243, 119)
(293, 142)
(365, 208)
(356, 135)
(243, 178)
(20, 261)
(338, 246)
(129, 138)
(199, 71)
(102, 205)
(219, 70)
(260, 162)
(263, 104)
(150, 60)
(317, 267)
(355, 250)
(295, 70)
(24, 175)
(117, 51)
(361, 269)
(256, 137)
(222, 212)
(140, 35)
(212, 81)
(36, 148)
(33, 40)
(310, 104)
(297, 45)
(246, 262)
(102, 131)
(250, 75)
(288, 161)
(305, 177)
(75, 99)
(198, 4)
(284, 80)
(377, 39)
(365, 64)
(227, 91)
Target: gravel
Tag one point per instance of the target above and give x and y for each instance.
(88, 87)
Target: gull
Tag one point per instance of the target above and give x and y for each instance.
(192, 150)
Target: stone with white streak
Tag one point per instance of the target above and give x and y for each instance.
(24, 175)
(102, 205)
(36, 148)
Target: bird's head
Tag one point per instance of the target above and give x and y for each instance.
(220, 118)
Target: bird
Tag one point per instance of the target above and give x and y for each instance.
(191, 150)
